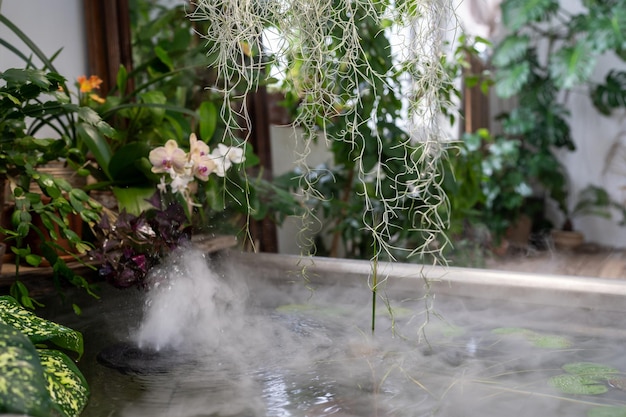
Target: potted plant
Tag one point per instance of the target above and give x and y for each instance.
(130, 245)
(548, 52)
(593, 200)
(31, 99)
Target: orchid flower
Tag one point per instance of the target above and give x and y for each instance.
(224, 156)
(184, 168)
(168, 158)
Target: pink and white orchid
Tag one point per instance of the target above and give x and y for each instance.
(199, 163)
(168, 158)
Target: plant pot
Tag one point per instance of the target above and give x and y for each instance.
(567, 239)
(56, 169)
(75, 223)
(518, 233)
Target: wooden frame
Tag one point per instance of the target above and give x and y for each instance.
(107, 29)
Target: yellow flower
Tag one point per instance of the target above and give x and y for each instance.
(89, 84)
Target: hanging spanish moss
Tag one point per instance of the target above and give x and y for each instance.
(344, 60)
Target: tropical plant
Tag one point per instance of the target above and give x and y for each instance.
(31, 99)
(129, 245)
(37, 377)
(547, 53)
(593, 200)
(488, 184)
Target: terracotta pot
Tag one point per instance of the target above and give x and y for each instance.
(519, 232)
(34, 240)
(567, 239)
(56, 169)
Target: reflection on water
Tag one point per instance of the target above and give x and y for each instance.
(281, 350)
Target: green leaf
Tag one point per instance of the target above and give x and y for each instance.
(66, 383)
(164, 57)
(208, 120)
(607, 412)
(612, 94)
(23, 388)
(577, 385)
(518, 13)
(133, 199)
(97, 145)
(511, 49)
(37, 329)
(510, 81)
(122, 79)
(22, 76)
(123, 165)
(572, 65)
(33, 260)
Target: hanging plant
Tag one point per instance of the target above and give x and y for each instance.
(377, 110)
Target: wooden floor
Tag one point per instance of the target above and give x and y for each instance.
(588, 260)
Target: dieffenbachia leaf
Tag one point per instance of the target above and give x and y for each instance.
(66, 384)
(39, 330)
(23, 388)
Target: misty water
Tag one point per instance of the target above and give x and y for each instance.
(218, 342)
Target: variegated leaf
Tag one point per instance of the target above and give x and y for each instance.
(37, 329)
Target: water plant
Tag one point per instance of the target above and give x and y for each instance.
(584, 378)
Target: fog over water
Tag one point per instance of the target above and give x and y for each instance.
(230, 344)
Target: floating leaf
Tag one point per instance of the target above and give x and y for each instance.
(607, 412)
(536, 339)
(577, 384)
(590, 369)
(549, 341)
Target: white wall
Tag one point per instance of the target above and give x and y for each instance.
(594, 135)
(52, 25)
(287, 146)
